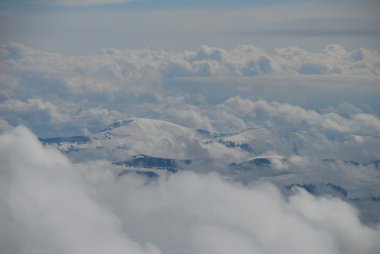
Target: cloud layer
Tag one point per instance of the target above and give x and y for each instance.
(46, 208)
(182, 213)
(245, 60)
(92, 91)
(291, 106)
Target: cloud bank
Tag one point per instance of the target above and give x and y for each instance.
(46, 208)
(245, 60)
(69, 93)
(50, 205)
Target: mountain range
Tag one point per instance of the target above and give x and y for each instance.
(288, 158)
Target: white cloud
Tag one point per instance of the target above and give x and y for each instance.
(246, 60)
(94, 90)
(49, 205)
(46, 110)
(190, 116)
(46, 208)
(298, 116)
(319, 211)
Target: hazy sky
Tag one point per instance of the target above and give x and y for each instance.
(86, 26)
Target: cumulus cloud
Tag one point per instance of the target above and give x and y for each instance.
(50, 205)
(92, 91)
(114, 70)
(46, 208)
(48, 109)
(276, 112)
(244, 60)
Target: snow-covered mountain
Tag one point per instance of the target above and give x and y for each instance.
(290, 159)
(155, 138)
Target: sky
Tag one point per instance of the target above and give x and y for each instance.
(85, 26)
(268, 111)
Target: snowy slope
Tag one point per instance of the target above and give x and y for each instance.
(149, 137)
(289, 159)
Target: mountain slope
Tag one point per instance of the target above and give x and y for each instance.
(289, 159)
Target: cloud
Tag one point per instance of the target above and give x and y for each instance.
(14, 51)
(190, 116)
(44, 110)
(92, 91)
(45, 206)
(48, 204)
(4, 125)
(262, 110)
(133, 65)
